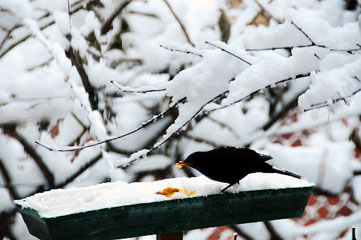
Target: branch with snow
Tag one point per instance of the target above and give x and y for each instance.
(143, 125)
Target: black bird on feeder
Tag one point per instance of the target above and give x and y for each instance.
(230, 164)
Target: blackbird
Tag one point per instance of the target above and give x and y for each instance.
(230, 164)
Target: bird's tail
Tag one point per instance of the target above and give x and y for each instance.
(284, 172)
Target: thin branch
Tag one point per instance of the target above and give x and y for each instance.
(151, 15)
(285, 109)
(108, 23)
(10, 129)
(264, 10)
(45, 63)
(240, 232)
(7, 179)
(330, 102)
(158, 145)
(305, 34)
(143, 125)
(7, 219)
(48, 24)
(137, 91)
(181, 51)
(258, 90)
(78, 63)
(230, 53)
(274, 235)
(71, 178)
(179, 22)
(312, 44)
(203, 140)
(224, 125)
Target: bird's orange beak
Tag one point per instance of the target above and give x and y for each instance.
(181, 164)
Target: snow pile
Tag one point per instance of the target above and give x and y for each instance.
(74, 200)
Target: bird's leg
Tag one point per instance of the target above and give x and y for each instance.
(224, 189)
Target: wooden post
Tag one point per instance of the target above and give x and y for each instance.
(170, 236)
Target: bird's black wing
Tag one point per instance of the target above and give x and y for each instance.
(240, 153)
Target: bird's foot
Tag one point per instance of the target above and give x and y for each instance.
(224, 189)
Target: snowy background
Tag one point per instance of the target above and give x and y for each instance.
(173, 77)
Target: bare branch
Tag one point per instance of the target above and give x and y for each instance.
(179, 22)
(10, 129)
(82, 169)
(305, 34)
(136, 91)
(181, 51)
(312, 44)
(158, 145)
(241, 233)
(203, 140)
(7, 179)
(274, 234)
(77, 7)
(108, 23)
(155, 118)
(78, 63)
(230, 53)
(330, 102)
(45, 63)
(224, 125)
(264, 10)
(258, 90)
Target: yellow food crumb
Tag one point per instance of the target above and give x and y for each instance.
(168, 192)
(187, 193)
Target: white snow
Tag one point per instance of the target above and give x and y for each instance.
(39, 82)
(60, 202)
(327, 165)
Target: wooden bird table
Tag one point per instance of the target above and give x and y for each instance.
(168, 219)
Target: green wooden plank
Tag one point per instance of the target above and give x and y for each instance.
(171, 216)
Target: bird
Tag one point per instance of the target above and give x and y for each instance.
(230, 164)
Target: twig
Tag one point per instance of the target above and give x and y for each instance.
(181, 51)
(10, 129)
(258, 90)
(108, 23)
(7, 179)
(151, 15)
(137, 91)
(47, 62)
(331, 102)
(179, 22)
(305, 34)
(230, 53)
(71, 178)
(223, 125)
(272, 231)
(159, 144)
(7, 219)
(48, 24)
(78, 63)
(203, 140)
(312, 44)
(155, 118)
(241, 233)
(264, 10)
(285, 109)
